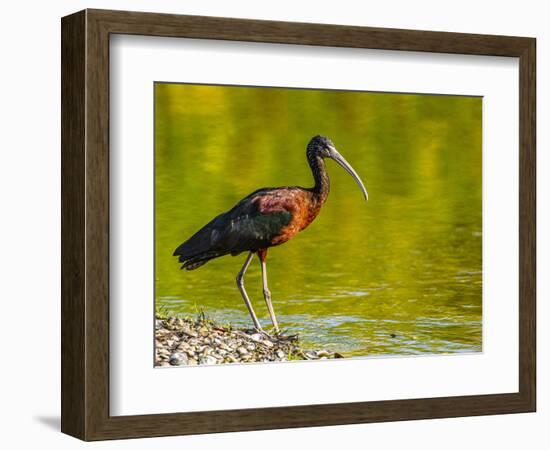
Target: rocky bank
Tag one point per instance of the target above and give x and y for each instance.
(200, 341)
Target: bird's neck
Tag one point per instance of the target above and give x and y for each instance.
(320, 176)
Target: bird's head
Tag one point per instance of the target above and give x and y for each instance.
(321, 146)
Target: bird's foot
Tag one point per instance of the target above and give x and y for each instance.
(269, 335)
(263, 333)
(276, 334)
(282, 336)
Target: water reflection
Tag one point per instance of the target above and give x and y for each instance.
(400, 274)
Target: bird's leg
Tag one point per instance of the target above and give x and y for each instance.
(262, 254)
(240, 284)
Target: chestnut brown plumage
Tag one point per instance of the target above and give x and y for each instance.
(267, 217)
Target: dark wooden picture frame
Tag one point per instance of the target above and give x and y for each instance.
(85, 224)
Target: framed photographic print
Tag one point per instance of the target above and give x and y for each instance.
(271, 224)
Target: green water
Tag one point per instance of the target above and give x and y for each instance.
(399, 274)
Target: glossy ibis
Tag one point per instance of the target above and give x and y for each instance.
(267, 217)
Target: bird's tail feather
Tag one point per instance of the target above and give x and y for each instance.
(192, 266)
(194, 262)
(203, 241)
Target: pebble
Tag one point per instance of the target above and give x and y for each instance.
(242, 351)
(191, 333)
(178, 359)
(208, 360)
(257, 337)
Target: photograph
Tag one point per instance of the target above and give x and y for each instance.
(300, 224)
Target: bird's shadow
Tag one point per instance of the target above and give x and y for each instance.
(51, 422)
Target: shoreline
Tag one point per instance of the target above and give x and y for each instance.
(187, 341)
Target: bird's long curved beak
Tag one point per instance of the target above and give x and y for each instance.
(342, 162)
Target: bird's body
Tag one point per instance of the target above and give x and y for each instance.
(265, 218)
